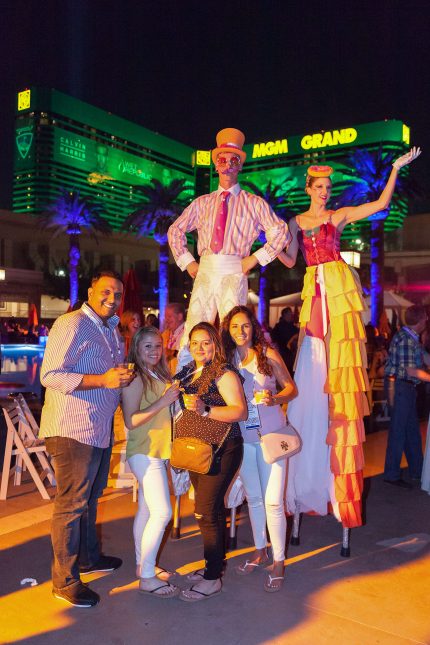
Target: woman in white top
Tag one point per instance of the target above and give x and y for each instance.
(263, 370)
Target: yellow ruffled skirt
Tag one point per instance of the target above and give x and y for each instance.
(346, 379)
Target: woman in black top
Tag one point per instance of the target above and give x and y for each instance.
(221, 399)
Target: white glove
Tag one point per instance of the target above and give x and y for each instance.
(406, 159)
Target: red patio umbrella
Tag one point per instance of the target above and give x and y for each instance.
(32, 316)
(131, 299)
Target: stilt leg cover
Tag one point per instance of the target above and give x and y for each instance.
(346, 382)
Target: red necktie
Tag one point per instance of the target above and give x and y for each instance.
(217, 240)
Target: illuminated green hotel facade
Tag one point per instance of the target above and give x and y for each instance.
(62, 142)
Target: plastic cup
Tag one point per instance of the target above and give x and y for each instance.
(127, 366)
(259, 395)
(190, 400)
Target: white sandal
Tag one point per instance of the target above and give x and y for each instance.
(268, 584)
(248, 567)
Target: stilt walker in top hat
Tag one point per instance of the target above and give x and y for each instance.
(228, 221)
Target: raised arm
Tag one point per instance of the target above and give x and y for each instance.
(131, 400)
(289, 256)
(350, 214)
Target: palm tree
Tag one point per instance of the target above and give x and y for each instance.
(72, 213)
(159, 209)
(276, 197)
(369, 172)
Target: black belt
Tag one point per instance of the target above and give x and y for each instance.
(408, 381)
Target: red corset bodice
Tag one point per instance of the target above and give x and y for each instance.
(320, 245)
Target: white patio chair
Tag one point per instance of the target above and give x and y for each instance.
(22, 443)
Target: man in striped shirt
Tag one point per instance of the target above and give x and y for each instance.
(228, 222)
(83, 376)
(404, 370)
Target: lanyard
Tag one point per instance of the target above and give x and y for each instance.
(153, 374)
(118, 349)
(89, 311)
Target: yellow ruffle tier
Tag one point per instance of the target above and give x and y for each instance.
(346, 381)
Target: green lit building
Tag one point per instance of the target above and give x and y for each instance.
(62, 142)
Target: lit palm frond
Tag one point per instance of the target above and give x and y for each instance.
(72, 213)
(158, 210)
(160, 207)
(369, 172)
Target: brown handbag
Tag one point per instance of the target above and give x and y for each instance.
(193, 453)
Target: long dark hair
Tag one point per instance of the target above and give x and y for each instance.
(259, 343)
(161, 369)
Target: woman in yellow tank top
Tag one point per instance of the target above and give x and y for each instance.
(146, 406)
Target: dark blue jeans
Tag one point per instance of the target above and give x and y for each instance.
(404, 434)
(81, 472)
(210, 490)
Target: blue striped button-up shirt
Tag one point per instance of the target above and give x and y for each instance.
(80, 344)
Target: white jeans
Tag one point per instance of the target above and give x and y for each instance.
(154, 510)
(265, 489)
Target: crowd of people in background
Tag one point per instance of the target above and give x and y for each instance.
(14, 331)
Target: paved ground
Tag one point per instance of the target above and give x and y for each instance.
(378, 596)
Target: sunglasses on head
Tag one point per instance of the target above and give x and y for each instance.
(233, 161)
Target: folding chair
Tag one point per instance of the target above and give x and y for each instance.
(377, 397)
(21, 443)
(30, 439)
(28, 415)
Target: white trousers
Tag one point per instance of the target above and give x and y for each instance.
(310, 480)
(154, 510)
(265, 490)
(219, 286)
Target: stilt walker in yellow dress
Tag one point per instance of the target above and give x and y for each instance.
(331, 364)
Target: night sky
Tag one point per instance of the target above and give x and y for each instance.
(191, 67)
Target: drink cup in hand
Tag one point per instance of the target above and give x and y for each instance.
(190, 401)
(260, 395)
(127, 366)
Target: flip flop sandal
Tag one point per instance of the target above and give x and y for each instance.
(201, 596)
(268, 584)
(164, 574)
(172, 593)
(248, 567)
(196, 576)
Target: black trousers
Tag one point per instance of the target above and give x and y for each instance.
(210, 490)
